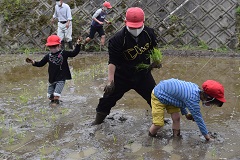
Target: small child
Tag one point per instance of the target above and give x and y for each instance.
(58, 69)
(176, 95)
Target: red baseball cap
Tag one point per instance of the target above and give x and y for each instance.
(53, 40)
(134, 17)
(214, 89)
(107, 4)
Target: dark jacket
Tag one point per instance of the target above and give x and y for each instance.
(58, 68)
(127, 51)
(101, 18)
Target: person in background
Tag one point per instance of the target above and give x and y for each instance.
(98, 20)
(176, 95)
(127, 49)
(63, 14)
(58, 69)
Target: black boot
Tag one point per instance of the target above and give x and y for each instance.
(99, 118)
(62, 44)
(70, 45)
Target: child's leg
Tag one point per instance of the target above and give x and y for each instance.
(174, 111)
(176, 124)
(51, 88)
(157, 115)
(58, 89)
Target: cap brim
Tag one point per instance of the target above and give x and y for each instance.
(221, 99)
(52, 44)
(109, 7)
(134, 24)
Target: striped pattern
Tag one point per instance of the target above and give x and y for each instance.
(184, 95)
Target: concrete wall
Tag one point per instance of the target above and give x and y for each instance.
(177, 22)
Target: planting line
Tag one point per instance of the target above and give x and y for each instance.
(203, 67)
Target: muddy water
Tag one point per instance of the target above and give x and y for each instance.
(30, 129)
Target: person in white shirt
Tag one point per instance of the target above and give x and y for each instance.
(63, 14)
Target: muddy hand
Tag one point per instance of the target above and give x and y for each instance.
(28, 60)
(79, 40)
(155, 65)
(109, 88)
(189, 117)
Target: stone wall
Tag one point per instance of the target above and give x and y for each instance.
(176, 22)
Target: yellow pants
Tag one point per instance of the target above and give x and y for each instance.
(158, 110)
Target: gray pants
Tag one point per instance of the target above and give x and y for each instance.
(55, 88)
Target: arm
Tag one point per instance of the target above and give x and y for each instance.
(39, 63)
(108, 22)
(69, 16)
(115, 49)
(54, 15)
(76, 49)
(111, 72)
(194, 109)
(184, 111)
(95, 15)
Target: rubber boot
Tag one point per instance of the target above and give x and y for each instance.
(70, 45)
(99, 118)
(62, 45)
(176, 132)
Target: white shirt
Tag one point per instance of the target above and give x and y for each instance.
(63, 13)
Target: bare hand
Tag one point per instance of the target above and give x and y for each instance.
(67, 25)
(109, 88)
(28, 60)
(101, 23)
(79, 40)
(189, 117)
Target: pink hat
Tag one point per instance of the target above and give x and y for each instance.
(53, 40)
(107, 4)
(134, 17)
(214, 89)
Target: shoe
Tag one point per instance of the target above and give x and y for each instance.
(99, 118)
(103, 48)
(54, 103)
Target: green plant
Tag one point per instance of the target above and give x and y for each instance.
(56, 133)
(222, 48)
(203, 45)
(155, 57)
(114, 139)
(24, 97)
(238, 10)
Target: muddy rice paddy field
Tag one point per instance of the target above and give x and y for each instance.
(30, 129)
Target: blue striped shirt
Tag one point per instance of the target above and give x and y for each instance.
(184, 95)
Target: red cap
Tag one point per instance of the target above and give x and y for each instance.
(53, 40)
(107, 4)
(134, 17)
(214, 89)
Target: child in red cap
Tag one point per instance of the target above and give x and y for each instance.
(176, 95)
(58, 69)
(98, 20)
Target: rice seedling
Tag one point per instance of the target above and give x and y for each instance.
(155, 58)
(2, 118)
(1, 131)
(114, 139)
(56, 133)
(24, 97)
